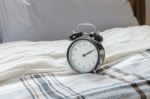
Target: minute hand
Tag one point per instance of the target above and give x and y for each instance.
(84, 55)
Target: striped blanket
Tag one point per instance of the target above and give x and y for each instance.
(124, 78)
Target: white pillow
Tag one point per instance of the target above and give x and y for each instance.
(55, 19)
(119, 42)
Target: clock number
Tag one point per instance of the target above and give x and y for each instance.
(84, 44)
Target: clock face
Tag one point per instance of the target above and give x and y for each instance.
(83, 56)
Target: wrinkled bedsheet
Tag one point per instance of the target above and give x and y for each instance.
(125, 78)
(40, 69)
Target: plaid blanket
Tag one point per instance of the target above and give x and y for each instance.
(125, 78)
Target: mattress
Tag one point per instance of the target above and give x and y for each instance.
(39, 70)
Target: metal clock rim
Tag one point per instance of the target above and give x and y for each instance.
(91, 41)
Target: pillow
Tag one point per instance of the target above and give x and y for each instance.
(55, 19)
(119, 42)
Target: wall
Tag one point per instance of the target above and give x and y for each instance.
(148, 12)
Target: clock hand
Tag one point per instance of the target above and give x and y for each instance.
(84, 55)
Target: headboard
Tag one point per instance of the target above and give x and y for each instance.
(139, 10)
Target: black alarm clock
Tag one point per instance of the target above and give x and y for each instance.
(86, 53)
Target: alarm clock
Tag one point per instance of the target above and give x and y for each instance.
(86, 53)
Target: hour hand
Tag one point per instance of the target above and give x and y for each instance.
(84, 55)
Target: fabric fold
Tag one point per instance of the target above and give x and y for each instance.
(25, 57)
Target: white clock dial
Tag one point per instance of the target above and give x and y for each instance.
(83, 56)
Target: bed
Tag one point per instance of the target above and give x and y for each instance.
(39, 70)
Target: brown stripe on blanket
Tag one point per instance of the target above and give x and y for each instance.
(28, 89)
(48, 87)
(136, 75)
(61, 86)
(114, 77)
(31, 88)
(134, 85)
(51, 85)
(39, 87)
(79, 96)
(139, 91)
(125, 73)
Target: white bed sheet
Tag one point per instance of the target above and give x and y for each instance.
(20, 58)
